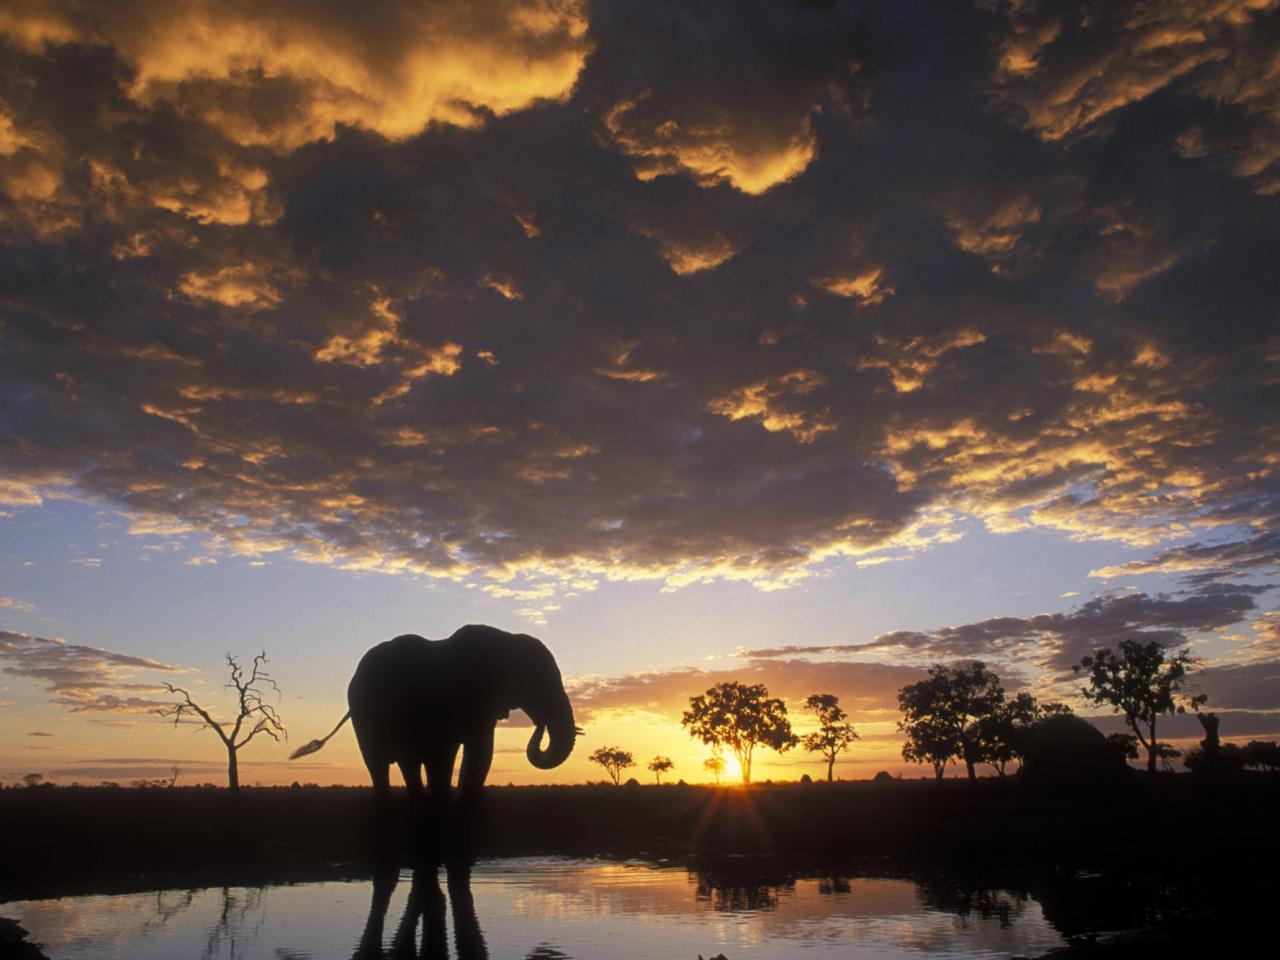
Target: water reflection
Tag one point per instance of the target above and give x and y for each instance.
(425, 907)
(548, 909)
(1003, 906)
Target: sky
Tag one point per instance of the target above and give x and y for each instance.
(806, 344)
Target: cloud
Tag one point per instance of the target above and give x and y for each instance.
(1071, 72)
(748, 122)
(83, 679)
(629, 292)
(1260, 553)
(1055, 642)
(270, 75)
(18, 606)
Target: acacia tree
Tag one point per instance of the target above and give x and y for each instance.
(614, 762)
(739, 717)
(660, 765)
(714, 764)
(941, 714)
(1142, 684)
(253, 714)
(833, 735)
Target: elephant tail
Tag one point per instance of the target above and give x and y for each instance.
(315, 745)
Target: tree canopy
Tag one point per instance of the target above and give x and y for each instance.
(833, 735)
(660, 765)
(941, 715)
(1005, 734)
(1142, 682)
(614, 761)
(740, 717)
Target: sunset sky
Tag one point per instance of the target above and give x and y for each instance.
(804, 344)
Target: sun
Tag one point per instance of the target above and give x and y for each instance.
(732, 771)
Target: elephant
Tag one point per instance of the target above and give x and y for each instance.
(414, 702)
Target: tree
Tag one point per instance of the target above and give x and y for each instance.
(1004, 734)
(660, 765)
(32, 779)
(833, 735)
(253, 714)
(1264, 754)
(1125, 744)
(740, 717)
(941, 715)
(1142, 684)
(614, 762)
(714, 764)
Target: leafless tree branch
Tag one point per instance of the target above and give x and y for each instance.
(253, 711)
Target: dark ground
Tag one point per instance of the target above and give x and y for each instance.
(1184, 859)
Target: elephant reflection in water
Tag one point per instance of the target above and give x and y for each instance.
(416, 702)
(426, 906)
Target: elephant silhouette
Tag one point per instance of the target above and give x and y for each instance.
(415, 702)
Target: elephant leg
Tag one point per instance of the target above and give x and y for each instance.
(439, 780)
(376, 762)
(440, 776)
(477, 757)
(412, 773)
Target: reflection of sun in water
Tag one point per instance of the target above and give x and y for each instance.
(732, 771)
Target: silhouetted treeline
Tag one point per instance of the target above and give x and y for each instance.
(69, 840)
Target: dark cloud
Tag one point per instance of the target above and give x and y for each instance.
(629, 292)
(1249, 686)
(189, 771)
(83, 679)
(1057, 641)
(1260, 553)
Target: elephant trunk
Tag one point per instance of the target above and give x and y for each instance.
(563, 733)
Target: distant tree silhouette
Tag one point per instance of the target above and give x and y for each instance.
(1005, 734)
(833, 735)
(1264, 754)
(660, 765)
(740, 717)
(1142, 684)
(614, 762)
(714, 764)
(1126, 744)
(942, 713)
(32, 779)
(253, 714)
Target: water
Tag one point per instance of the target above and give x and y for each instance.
(548, 909)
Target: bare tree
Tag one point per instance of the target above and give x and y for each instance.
(254, 715)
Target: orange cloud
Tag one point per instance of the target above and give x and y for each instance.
(265, 76)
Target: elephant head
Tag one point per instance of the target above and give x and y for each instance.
(532, 683)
